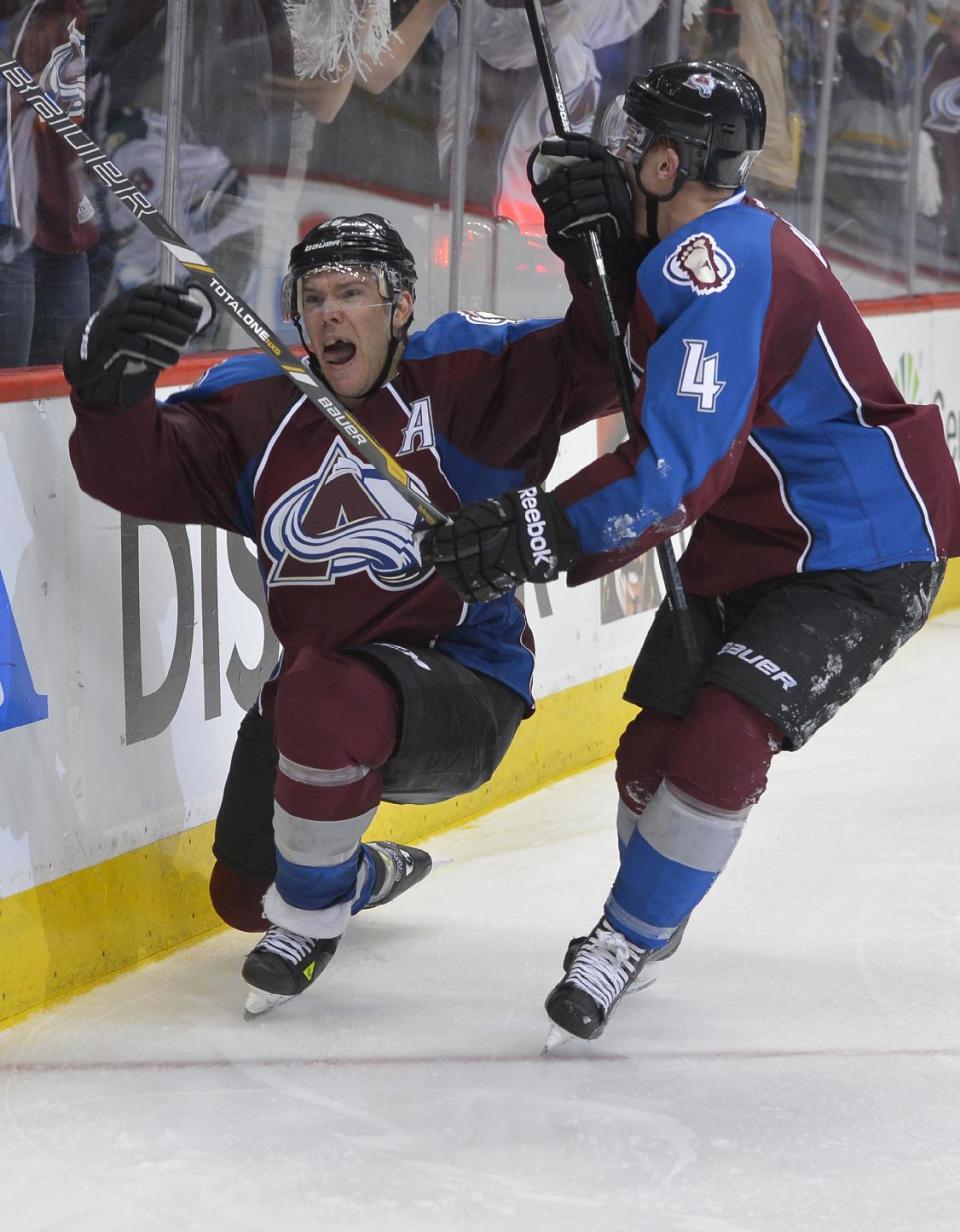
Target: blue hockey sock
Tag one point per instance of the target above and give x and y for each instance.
(366, 878)
(312, 888)
(677, 848)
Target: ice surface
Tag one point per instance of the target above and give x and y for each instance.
(795, 1068)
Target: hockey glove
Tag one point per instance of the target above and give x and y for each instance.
(492, 546)
(577, 183)
(114, 360)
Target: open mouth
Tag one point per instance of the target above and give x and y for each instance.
(338, 353)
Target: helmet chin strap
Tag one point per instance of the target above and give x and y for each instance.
(653, 206)
(397, 337)
(653, 203)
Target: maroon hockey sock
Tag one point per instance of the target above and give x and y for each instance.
(722, 751)
(333, 713)
(642, 755)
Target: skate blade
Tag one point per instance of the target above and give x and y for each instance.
(555, 1039)
(259, 1003)
(642, 981)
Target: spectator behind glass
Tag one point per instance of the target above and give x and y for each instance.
(508, 110)
(759, 47)
(234, 50)
(941, 119)
(800, 27)
(749, 35)
(231, 120)
(870, 128)
(47, 221)
(383, 137)
(258, 76)
(342, 43)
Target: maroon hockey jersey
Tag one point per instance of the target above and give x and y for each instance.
(477, 407)
(767, 417)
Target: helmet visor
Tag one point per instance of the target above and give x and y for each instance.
(291, 289)
(623, 136)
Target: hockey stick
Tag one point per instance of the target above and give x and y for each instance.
(553, 89)
(323, 398)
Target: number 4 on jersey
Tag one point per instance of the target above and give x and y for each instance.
(698, 377)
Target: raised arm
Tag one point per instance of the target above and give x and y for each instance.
(405, 42)
(173, 463)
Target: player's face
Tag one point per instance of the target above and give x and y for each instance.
(347, 322)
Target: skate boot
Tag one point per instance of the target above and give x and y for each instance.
(601, 970)
(281, 966)
(398, 867)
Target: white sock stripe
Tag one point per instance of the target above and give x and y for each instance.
(636, 924)
(325, 923)
(688, 832)
(313, 776)
(318, 844)
(698, 808)
(626, 822)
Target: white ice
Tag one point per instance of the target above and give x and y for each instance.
(795, 1068)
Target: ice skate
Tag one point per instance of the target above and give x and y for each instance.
(281, 966)
(398, 867)
(601, 968)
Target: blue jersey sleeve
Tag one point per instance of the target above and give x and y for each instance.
(709, 299)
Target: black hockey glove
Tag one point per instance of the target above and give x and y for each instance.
(492, 546)
(114, 359)
(577, 182)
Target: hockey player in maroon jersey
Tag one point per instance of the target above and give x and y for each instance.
(389, 686)
(824, 507)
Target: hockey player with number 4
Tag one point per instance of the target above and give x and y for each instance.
(823, 506)
(389, 687)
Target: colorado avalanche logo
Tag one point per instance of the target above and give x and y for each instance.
(703, 83)
(63, 76)
(699, 263)
(943, 107)
(344, 520)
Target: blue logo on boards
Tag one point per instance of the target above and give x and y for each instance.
(20, 703)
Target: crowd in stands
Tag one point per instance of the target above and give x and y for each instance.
(365, 93)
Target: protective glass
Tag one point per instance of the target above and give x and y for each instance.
(622, 135)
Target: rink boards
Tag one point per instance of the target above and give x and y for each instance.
(129, 651)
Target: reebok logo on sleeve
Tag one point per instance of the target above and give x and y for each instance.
(535, 526)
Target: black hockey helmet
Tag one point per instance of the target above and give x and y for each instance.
(364, 241)
(713, 113)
